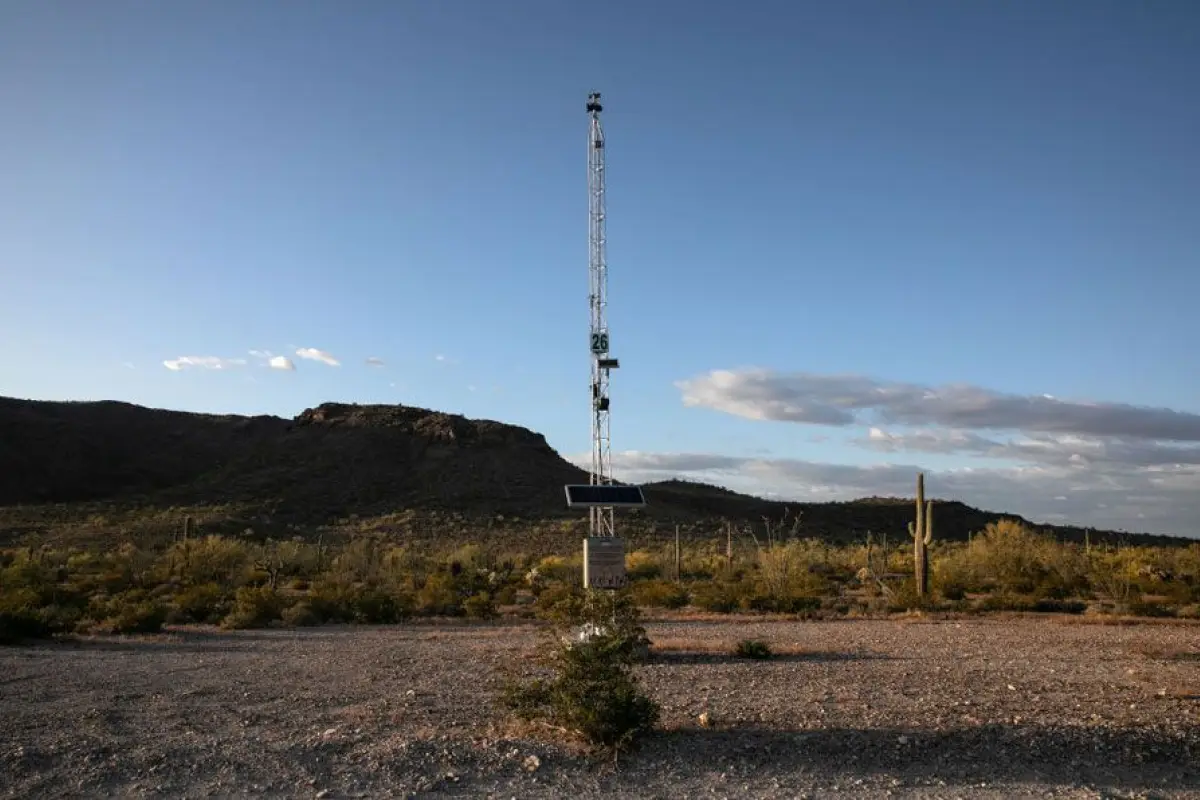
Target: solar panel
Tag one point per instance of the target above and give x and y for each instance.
(604, 495)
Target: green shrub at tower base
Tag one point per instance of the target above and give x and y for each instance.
(590, 689)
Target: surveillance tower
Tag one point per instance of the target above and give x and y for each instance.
(604, 561)
(601, 517)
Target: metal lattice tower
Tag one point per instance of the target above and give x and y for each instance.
(600, 517)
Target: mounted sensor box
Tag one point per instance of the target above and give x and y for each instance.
(604, 562)
(604, 495)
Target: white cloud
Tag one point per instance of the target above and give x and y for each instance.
(313, 354)
(1084, 462)
(1037, 447)
(1164, 501)
(439, 357)
(203, 362)
(273, 361)
(374, 361)
(849, 399)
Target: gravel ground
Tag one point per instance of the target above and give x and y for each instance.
(979, 708)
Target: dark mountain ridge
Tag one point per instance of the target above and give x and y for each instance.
(337, 460)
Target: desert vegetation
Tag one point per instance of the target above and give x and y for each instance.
(229, 581)
(587, 687)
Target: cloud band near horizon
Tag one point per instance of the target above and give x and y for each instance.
(1052, 460)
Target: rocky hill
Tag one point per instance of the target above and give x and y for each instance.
(339, 460)
(79, 451)
(329, 461)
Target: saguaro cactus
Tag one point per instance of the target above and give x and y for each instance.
(922, 535)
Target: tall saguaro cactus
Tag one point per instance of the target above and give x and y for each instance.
(922, 535)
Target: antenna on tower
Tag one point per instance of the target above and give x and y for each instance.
(601, 495)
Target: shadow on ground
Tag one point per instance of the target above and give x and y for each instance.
(1140, 758)
(218, 640)
(173, 642)
(693, 657)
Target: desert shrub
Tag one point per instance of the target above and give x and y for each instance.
(753, 648)
(559, 569)
(611, 611)
(212, 559)
(789, 578)
(719, 596)
(440, 596)
(376, 605)
(1050, 588)
(361, 560)
(904, 597)
(775, 604)
(797, 569)
(330, 601)
(254, 607)
(705, 563)
(954, 573)
(1114, 575)
(642, 565)
(467, 557)
(23, 617)
(961, 606)
(506, 595)
(835, 605)
(30, 569)
(659, 594)
(1174, 591)
(1142, 608)
(1030, 603)
(1057, 606)
(1065, 571)
(132, 611)
(41, 580)
(1007, 554)
(1006, 601)
(205, 603)
(110, 581)
(555, 598)
(18, 625)
(130, 567)
(300, 615)
(145, 616)
(480, 606)
(279, 563)
(591, 690)
(339, 601)
(1184, 566)
(1189, 612)
(954, 593)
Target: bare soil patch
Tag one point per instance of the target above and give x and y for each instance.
(925, 708)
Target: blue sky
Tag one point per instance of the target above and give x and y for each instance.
(995, 195)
